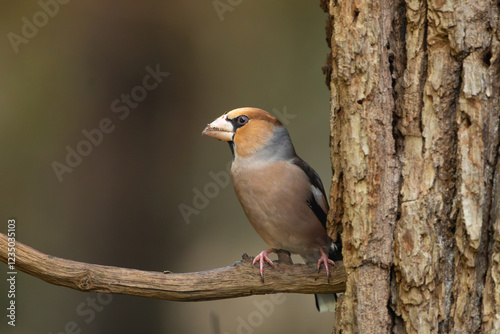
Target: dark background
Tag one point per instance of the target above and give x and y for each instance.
(120, 205)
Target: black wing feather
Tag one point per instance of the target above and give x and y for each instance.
(316, 182)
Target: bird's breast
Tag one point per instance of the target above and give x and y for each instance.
(274, 198)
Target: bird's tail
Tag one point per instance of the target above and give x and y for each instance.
(326, 302)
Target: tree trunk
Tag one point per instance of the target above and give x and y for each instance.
(415, 195)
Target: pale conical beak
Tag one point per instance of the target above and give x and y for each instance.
(221, 129)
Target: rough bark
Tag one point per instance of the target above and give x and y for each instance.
(415, 114)
(363, 159)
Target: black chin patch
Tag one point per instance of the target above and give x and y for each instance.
(231, 146)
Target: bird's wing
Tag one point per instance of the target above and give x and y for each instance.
(317, 199)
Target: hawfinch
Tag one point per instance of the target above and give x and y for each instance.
(282, 196)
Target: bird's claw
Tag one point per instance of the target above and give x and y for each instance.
(261, 258)
(325, 261)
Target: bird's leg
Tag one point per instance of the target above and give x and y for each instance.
(325, 260)
(263, 257)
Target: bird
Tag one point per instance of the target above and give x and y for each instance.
(282, 196)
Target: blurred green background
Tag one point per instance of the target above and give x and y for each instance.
(120, 205)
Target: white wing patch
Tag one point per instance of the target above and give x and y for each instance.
(319, 198)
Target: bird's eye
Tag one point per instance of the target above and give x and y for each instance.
(242, 120)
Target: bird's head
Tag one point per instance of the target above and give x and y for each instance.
(250, 130)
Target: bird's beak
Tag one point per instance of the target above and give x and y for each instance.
(221, 129)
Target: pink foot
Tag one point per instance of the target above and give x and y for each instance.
(261, 258)
(325, 261)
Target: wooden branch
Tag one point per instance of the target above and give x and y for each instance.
(237, 280)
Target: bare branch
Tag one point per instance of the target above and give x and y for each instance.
(237, 280)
